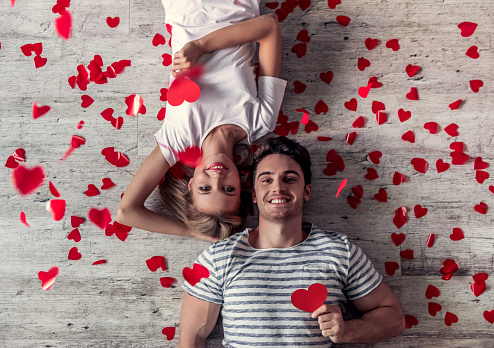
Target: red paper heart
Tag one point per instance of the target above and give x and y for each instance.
(400, 217)
(27, 50)
(53, 190)
(430, 240)
(398, 178)
(359, 122)
(419, 211)
(467, 28)
(398, 238)
(407, 254)
(161, 114)
(410, 321)
(293, 126)
(480, 278)
(311, 299)
(333, 3)
(107, 114)
(479, 164)
(57, 208)
(299, 87)
(413, 94)
(11, 163)
(135, 105)
(326, 77)
(183, 89)
(450, 318)
(27, 180)
(449, 268)
(371, 43)
(112, 22)
(377, 106)
(300, 49)
(393, 44)
(458, 158)
(39, 111)
(311, 126)
(167, 59)
(375, 157)
(457, 146)
(371, 174)
(457, 234)
(86, 101)
(411, 70)
(63, 25)
(321, 107)
(341, 186)
(107, 183)
(404, 115)
(381, 117)
(343, 20)
(433, 308)
(353, 201)
(74, 254)
(117, 122)
(99, 262)
(441, 166)
(75, 235)
(431, 292)
(481, 176)
(116, 158)
(475, 85)
(91, 191)
(323, 138)
(100, 217)
(420, 165)
(158, 39)
(374, 83)
(19, 155)
(195, 274)
(48, 278)
(303, 35)
(489, 316)
(192, 156)
(350, 137)
(431, 127)
(363, 63)
(121, 231)
(76, 221)
(381, 196)
(491, 188)
(39, 61)
(391, 268)
(358, 191)
(408, 136)
(169, 332)
(156, 262)
(351, 104)
(272, 5)
(477, 289)
(455, 105)
(167, 282)
(364, 91)
(23, 219)
(472, 52)
(452, 129)
(481, 208)
(72, 81)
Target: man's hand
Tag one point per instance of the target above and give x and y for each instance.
(187, 57)
(331, 322)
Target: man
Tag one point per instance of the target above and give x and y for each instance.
(254, 273)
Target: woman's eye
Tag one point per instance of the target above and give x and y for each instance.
(204, 188)
(228, 189)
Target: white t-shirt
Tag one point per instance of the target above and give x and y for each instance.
(229, 94)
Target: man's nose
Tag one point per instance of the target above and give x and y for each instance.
(278, 186)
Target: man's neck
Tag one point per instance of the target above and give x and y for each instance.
(274, 235)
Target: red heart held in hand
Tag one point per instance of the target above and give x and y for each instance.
(371, 174)
(381, 117)
(431, 292)
(76, 221)
(75, 235)
(112, 22)
(167, 282)
(300, 49)
(398, 238)
(419, 164)
(481, 176)
(169, 332)
(371, 43)
(27, 180)
(457, 234)
(393, 44)
(431, 127)
(407, 254)
(156, 262)
(91, 191)
(411, 70)
(408, 136)
(100, 217)
(391, 268)
(299, 87)
(363, 63)
(410, 321)
(116, 158)
(343, 20)
(450, 318)
(381, 196)
(419, 211)
(481, 208)
(413, 94)
(63, 25)
(195, 274)
(359, 122)
(311, 299)
(455, 105)
(86, 101)
(303, 35)
(326, 77)
(39, 111)
(321, 107)
(39, 61)
(398, 178)
(364, 91)
(404, 115)
(467, 28)
(375, 157)
(400, 217)
(11, 163)
(107, 183)
(433, 308)
(475, 85)
(183, 89)
(351, 104)
(57, 208)
(479, 164)
(452, 129)
(74, 254)
(473, 52)
(480, 278)
(48, 278)
(477, 289)
(489, 316)
(158, 39)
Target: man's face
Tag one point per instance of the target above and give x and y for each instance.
(279, 188)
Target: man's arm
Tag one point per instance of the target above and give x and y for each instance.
(197, 320)
(382, 318)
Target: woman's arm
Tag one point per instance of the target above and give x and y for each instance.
(131, 210)
(264, 29)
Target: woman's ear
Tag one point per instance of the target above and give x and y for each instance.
(189, 185)
(307, 192)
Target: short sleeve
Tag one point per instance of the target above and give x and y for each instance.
(270, 92)
(208, 289)
(362, 277)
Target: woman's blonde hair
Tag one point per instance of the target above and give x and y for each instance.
(178, 199)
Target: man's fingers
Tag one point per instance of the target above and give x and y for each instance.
(328, 317)
(325, 309)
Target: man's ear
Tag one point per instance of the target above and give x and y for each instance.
(307, 192)
(254, 199)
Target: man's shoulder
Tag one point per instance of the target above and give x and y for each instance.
(323, 234)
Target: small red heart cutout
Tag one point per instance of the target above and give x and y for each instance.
(433, 308)
(183, 89)
(432, 127)
(455, 105)
(167, 59)
(398, 178)
(86, 101)
(91, 191)
(74, 254)
(375, 157)
(169, 332)
(374, 83)
(391, 268)
(481, 208)
(363, 63)
(481, 176)
(457, 234)
(117, 122)
(404, 115)
(381, 196)
(400, 218)
(112, 22)
(358, 191)
(100, 217)
(107, 114)
(121, 231)
(27, 50)
(156, 262)
(167, 282)
(27, 180)
(57, 208)
(11, 163)
(116, 158)
(158, 39)
(299, 87)
(107, 183)
(333, 3)
(431, 292)
(99, 262)
(467, 28)
(475, 85)
(489, 316)
(293, 126)
(377, 106)
(371, 174)
(311, 126)
(419, 164)
(381, 117)
(161, 114)
(75, 235)
(473, 52)
(19, 155)
(371, 43)
(393, 44)
(350, 137)
(359, 122)
(343, 20)
(407, 254)
(303, 35)
(449, 268)
(76, 221)
(39, 61)
(39, 111)
(411, 70)
(195, 274)
(300, 49)
(22, 218)
(491, 188)
(480, 278)
(48, 278)
(311, 299)
(364, 91)
(63, 25)
(452, 129)
(430, 240)
(410, 321)
(479, 164)
(351, 104)
(413, 94)
(353, 201)
(326, 77)
(398, 239)
(419, 211)
(477, 289)
(135, 105)
(450, 318)
(321, 107)
(408, 136)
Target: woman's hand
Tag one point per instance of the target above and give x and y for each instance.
(187, 57)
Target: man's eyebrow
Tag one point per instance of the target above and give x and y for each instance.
(285, 172)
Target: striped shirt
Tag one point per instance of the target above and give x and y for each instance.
(255, 286)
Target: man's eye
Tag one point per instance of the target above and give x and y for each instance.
(204, 188)
(228, 189)
(290, 179)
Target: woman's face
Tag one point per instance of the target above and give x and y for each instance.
(216, 185)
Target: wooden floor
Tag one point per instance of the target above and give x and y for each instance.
(121, 303)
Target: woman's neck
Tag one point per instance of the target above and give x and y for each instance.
(222, 139)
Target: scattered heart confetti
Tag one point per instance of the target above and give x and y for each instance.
(121, 231)
(359, 122)
(75, 235)
(404, 115)
(371, 174)
(363, 63)
(116, 158)
(311, 299)
(100, 217)
(351, 104)
(99, 262)
(39, 62)
(107, 184)
(398, 238)
(475, 85)
(408, 136)
(167, 282)
(195, 274)
(400, 217)
(300, 49)
(27, 50)
(53, 190)
(452, 129)
(477, 289)
(343, 20)
(158, 39)
(358, 191)
(479, 163)
(161, 114)
(481, 208)
(333, 3)
(167, 59)
(489, 316)
(23, 219)
(419, 164)
(113, 22)
(431, 292)
(441, 166)
(350, 137)
(326, 77)
(458, 158)
(323, 138)
(455, 105)
(156, 262)
(181, 90)
(411, 70)
(410, 321)
(91, 191)
(413, 94)
(381, 196)
(381, 117)
(86, 101)
(377, 106)
(74, 254)
(76, 221)
(11, 163)
(303, 35)
(48, 278)
(432, 127)
(398, 178)
(192, 156)
(393, 44)
(374, 83)
(391, 268)
(480, 278)
(481, 176)
(353, 201)
(467, 28)
(39, 111)
(491, 188)
(364, 91)
(342, 185)
(472, 52)
(407, 254)
(63, 25)
(135, 105)
(433, 308)
(450, 318)
(430, 240)
(371, 43)
(375, 157)
(321, 108)
(457, 234)
(57, 208)
(169, 332)
(449, 268)
(28, 179)
(419, 211)
(299, 87)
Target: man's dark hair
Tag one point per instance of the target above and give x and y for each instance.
(283, 146)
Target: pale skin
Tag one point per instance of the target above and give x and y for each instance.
(280, 179)
(213, 190)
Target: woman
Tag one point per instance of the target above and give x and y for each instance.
(219, 36)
